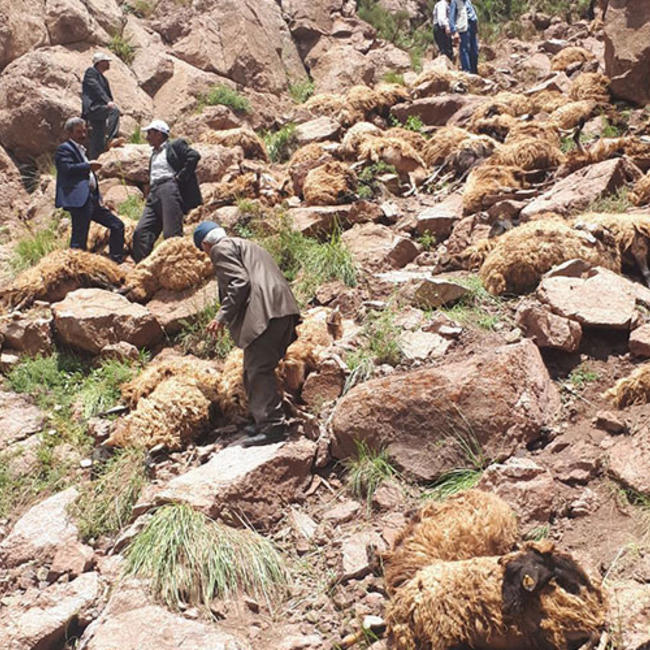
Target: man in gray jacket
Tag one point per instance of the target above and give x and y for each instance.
(260, 312)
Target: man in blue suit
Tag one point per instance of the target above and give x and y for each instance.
(77, 191)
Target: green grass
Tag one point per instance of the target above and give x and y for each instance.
(31, 249)
(141, 8)
(617, 202)
(104, 506)
(369, 185)
(427, 240)
(131, 208)
(477, 308)
(136, 137)
(280, 144)
(100, 389)
(225, 96)
(452, 482)
(122, 48)
(367, 471)
(190, 559)
(581, 376)
(538, 533)
(193, 338)
(393, 77)
(414, 123)
(301, 91)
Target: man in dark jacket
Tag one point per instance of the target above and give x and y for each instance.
(260, 312)
(97, 105)
(77, 191)
(173, 189)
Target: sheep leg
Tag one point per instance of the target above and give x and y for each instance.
(640, 254)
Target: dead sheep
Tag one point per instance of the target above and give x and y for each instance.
(539, 130)
(392, 151)
(532, 599)
(175, 412)
(415, 139)
(375, 101)
(243, 137)
(570, 56)
(390, 94)
(570, 115)
(433, 82)
(469, 524)
(484, 185)
(227, 192)
(330, 184)
(355, 135)
(303, 161)
(603, 149)
(528, 154)
(518, 258)
(175, 264)
(640, 194)
(442, 143)
(232, 398)
(98, 237)
(633, 389)
(496, 126)
(334, 106)
(590, 85)
(547, 101)
(57, 274)
(470, 152)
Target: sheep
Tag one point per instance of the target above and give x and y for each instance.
(58, 273)
(415, 139)
(434, 82)
(98, 237)
(334, 106)
(356, 135)
(528, 154)
(469, 153)
(388, 95)
(443, 142)
(232, 398)
(547, 101)
(541, 131)
(303, 161)
(496, 126)
(485, 183)
(392, 151)
(640, 194)
(532, 599)
(569, 56)
(466, 525)
(570, 115)
(521, 256)
(330, 184)
(590, 85)
(243, 137)
(176, 264)
(226, 192)
(633, 389)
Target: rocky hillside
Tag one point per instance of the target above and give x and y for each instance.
(471, 257)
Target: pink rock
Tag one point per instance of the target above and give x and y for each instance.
(317, 130)
(29, 332)
(319, 220)
(629, 461)
(342, 512)
(629, 607)
(546, 329)
(72, 559)
(640, 341)
(435, 111)
(356, 552)
(324, 385)
(375, 246)
(19, 418)
(440, 218)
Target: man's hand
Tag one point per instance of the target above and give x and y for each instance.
(111, 105)
(215, 327)
(95, 165)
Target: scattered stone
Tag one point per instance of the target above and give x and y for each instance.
(29, 332)
(629, 612)
(420, 345)
(319, 220)
(374, 246)
(8, 361)
(317, 130)
(19, 418)
(547, 330)
(629, 461)
(640, 341)
(437, 292)
(436, 111)
(388, 496)
(357, 551)
(324, 385)
(570, 269)
(89, 319)
(586, 504)
(72, 559)
(439, 219)
(303, 524)
(342, 512)
(611, 422)
(121, 351)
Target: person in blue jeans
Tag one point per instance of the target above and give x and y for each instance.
(463, 24)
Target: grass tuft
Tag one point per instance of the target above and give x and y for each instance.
(280, 144)
(394, 77)
(369, 185)
(616, 203)
(301, 91)
(581, 376)
(191, 559)
(30, 250)
(225, 96)
(104, 506)
(193, 339)
(367, 471)
(131, 208)
(452, 482)
(122, 48)
(478, 307)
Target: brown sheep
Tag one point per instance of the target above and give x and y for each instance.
(469, 153)
(521, 256)
(633, 389)
(368, 101)
(434, 82)
(388, 95)
(355, 135)
(536, 598)
(635, 149)
(442, 143)
(175, 264)
(539, 130)
(232, 398)
(415, 139)
(485, 183)
(57, 274)
(547, 101)
(466, 525)
(640, 194)
(242, 137)
(569, 56)
(303, 161)
(392, 151)
(227, 192)
(590, 85)
(570, 115)
(330, 184)
(496, 126)
(528, 154)
(98, 237)
(334, 106)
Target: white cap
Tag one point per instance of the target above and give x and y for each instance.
(101, 56)
(158, 125)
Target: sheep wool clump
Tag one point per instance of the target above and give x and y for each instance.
(330, 184)
(57, 274)
(415, 139)
(538, 130)
(570, 56)
(640, 194)
(303, 161)
(590, 85)
(243, 137)
(484, 185)
(469, 524)
(567, 116)
(442, 143)
(633, 389)
(529, 154)
(175, 265)
(355, 135)
(393, 151)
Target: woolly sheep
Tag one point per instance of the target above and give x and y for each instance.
(232, 398)
(330, 184)
(485, 183)
(528, 154)
(532, 599)
(334, 106)
(442, 143)
(590, 85)
(570, 115)
(98, 237)
(521, 256)
(176, 264)
(390, 94)
(57, 274)
(243, 137)
(569, 56)
(496, 126)
(538, 130)
(392, 151)
(640, 194)
(415, 139)
(470, 152)
(547, 101)
(633, 389)
(244, 186)
(433, 82)
(356, 135)
(468, 524)
(303, 161)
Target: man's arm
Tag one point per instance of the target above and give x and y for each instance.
(67, 163)
(189, 159)
(93, 88)
(231, 272)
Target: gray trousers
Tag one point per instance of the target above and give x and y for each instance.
(261, 358)
(104, 126)
(163, 212)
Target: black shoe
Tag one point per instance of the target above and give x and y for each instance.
(269, 437)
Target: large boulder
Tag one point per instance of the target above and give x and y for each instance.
(438, 110)
(41, 90)
(627, 49)
(89, 319)
(629, 461)
(429, 420)
(22, 28)
(15, 196)
(244, 40)
(374, 246)
(129, 163)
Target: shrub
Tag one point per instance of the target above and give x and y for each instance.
(226, 96)
(136, 137)
(301, 91)
(367, 471)
(617, 202)
(121, 47)
(280, 144)
(369, 185)
(477, 307)
(195, 340)
(191, 559)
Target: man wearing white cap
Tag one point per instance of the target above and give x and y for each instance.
(173, 189)
(98, 107)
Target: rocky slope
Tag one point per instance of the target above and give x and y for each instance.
(471, 254)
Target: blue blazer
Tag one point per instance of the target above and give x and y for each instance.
(72, 177)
